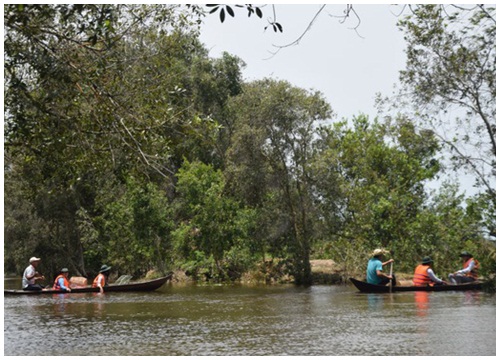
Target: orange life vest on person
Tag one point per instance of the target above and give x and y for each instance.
(99, 280)
(56, 282)
(474, 272)
(421, 278)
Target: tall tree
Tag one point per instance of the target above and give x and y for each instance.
(67, 68)
(95, 94)
(268, 159)
(450, 82)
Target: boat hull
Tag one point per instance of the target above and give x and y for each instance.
(132, 287)
(365, 287)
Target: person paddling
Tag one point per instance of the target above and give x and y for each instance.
(61, 282)
(424, 275)
(374, 274)
(30, 276)
(101, 280)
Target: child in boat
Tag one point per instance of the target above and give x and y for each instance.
(61, 282)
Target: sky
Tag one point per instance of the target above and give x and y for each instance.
(348, 62)
(349, 66)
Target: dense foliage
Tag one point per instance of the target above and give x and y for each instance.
(449, 87)
(126, 144)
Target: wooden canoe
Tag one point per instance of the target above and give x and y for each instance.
(365, 287)
(131, 287)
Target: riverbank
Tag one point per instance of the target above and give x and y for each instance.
(323, 271)
(326, 272)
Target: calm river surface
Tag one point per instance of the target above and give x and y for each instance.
(251, 320)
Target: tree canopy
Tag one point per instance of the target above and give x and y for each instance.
(126, 144)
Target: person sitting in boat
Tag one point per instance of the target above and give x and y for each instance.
(424, 275)
(374, 274)
(101, 280)
(468, 273)
(61, 282)
(30, 276)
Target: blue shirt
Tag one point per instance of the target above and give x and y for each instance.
(61, 284)
(371, 271)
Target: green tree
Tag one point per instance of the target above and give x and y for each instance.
(135, 230)
(211, 225)
(451, 223)
(267, 163)
(24, 230)
(94, 87)
(449, 83)
(97, 93)
(369, 182)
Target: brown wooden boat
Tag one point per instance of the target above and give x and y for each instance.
(365, 287)
(131, 287)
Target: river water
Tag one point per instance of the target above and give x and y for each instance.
(251, 320)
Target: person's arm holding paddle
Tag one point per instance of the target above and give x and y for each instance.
(36, 276)
(374, 269)
(388, 262)
(382, 274)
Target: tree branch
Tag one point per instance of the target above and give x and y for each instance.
(297, 41)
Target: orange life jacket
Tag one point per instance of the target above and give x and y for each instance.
(56, 282)
(99, 280)
(421, 278)
(474, 272)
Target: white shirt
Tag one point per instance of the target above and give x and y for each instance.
(468, 269)
(29, 273)
(433, 276)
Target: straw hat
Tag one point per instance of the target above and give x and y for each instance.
(378, 252)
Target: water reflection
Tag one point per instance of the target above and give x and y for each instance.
(422, 303)
(375, 301)
(472, 298)
(239, 320)
(60, 306)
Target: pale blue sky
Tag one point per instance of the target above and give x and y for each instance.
(348, 67)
